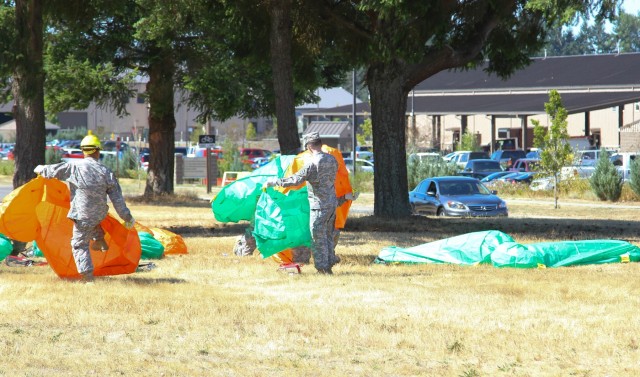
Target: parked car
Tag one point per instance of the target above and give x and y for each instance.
(425, 157)
(68, 153)
(112, 146)
(508, 157)
(480, 168)
(455, 196)
(363, 165)
(491, 178)
(526, 165)
(462, 158)
(518, 177)
(144, 161)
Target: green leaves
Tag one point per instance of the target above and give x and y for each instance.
(75, 84)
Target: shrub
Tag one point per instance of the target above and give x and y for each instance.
(605, 182)
(7, 167)
(52, 156)
(231, 160)
(634, 177)
(418, 170)
(126, 167)
(363, 181)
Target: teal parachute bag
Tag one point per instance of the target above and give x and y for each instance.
(6, 247)
(465, 249)
(151, 247)
(281, 221)
(513, 254)
(574, 253)
(238, 200)
(36, 250)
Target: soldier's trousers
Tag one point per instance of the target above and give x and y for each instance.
(322, 224)
(83, 232)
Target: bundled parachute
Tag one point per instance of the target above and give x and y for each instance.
(500, 250)
(38, 211)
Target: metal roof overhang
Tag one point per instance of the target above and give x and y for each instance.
(517, 104)
(500, 104)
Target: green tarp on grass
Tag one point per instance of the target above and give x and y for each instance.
(500, 250)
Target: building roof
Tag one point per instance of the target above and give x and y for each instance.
(585, 83)
(328, 129)
(11, 126)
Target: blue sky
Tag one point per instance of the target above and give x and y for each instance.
(631, 6)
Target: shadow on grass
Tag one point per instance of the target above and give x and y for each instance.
(548, 229)
(170, 200)
(218, 230)
(149, 281)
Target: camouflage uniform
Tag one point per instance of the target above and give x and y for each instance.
(246, 245)
(89, 182)
(320, 175)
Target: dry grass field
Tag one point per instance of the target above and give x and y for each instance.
(210, 313)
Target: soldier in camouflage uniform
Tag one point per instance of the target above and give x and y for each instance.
(90, 182)
(320, 175)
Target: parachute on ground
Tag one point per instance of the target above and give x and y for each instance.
(38, 211)
(501, 250)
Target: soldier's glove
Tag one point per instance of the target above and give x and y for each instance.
(269, 183)
(38, 169)
(352, 195)
(129, 224)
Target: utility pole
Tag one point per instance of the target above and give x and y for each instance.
(353, 121)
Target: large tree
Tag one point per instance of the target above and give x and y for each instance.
(25, 61)
(267, 57)
(149, 37)
(403, 43)
(25, 72)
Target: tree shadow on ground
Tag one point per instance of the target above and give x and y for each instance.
(542, 228)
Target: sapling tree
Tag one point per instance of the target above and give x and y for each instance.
(553, 142)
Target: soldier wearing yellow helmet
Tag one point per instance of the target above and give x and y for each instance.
(90, 144)
(90, 182)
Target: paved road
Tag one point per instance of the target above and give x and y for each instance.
(4, 190)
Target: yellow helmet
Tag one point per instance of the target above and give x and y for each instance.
(90, 144)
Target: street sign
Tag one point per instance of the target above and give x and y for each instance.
(207, 141)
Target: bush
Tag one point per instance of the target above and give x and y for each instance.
(363, 181)
(634, 177)
(231, 160)
(7, 167)
(418, 170)
(126, 167)
(605, 182)
(52, 156)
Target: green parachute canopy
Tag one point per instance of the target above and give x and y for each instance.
(281, 221)
(151, 247)
(6, 247)
(500, 250)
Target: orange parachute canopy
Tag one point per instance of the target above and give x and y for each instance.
(342, 183)
(173, 243)
(38, 211)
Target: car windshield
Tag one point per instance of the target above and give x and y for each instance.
(463, 188)
(487, 165)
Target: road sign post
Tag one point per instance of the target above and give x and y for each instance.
(208, 142)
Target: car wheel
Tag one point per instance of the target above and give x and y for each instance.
(441, 212)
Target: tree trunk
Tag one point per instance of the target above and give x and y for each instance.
(388, 110)
(162, 124)
(282, 72)
(28, 91)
